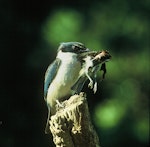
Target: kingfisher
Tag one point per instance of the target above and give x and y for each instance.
(62, 74)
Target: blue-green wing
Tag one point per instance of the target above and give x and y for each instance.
(50, 75)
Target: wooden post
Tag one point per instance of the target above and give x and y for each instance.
(71, 125)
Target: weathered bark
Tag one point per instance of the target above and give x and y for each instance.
(71, 125)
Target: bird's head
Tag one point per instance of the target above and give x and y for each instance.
(73, 47)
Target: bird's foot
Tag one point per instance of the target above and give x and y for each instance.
(90, 85)
(59, 104)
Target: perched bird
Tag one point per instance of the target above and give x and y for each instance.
(62, 74)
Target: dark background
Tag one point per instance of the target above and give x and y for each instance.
(30, 32)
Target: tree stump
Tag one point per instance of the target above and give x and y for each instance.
(71, 125)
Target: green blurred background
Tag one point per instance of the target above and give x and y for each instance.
(30, 32)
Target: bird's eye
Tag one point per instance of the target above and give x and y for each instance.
(76, 48)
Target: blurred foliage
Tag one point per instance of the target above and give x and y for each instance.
(30, 35)
(62, 26)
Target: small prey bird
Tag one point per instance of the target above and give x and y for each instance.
(91, 64)
(62, 74)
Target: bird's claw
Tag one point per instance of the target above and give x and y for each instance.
(59, 104)
(90, 85)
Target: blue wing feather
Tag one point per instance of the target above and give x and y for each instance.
(50, 75)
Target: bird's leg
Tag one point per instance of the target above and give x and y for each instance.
(95, 87)
(90, 85)
(95, 83)
(95, 69)
(87, 68)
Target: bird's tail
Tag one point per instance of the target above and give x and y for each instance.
(47, 129)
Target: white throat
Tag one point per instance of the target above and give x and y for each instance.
(66, 56)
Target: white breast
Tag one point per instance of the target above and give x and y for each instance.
(66, 77)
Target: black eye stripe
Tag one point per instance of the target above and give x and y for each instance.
(78, 47)
(74, 47)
